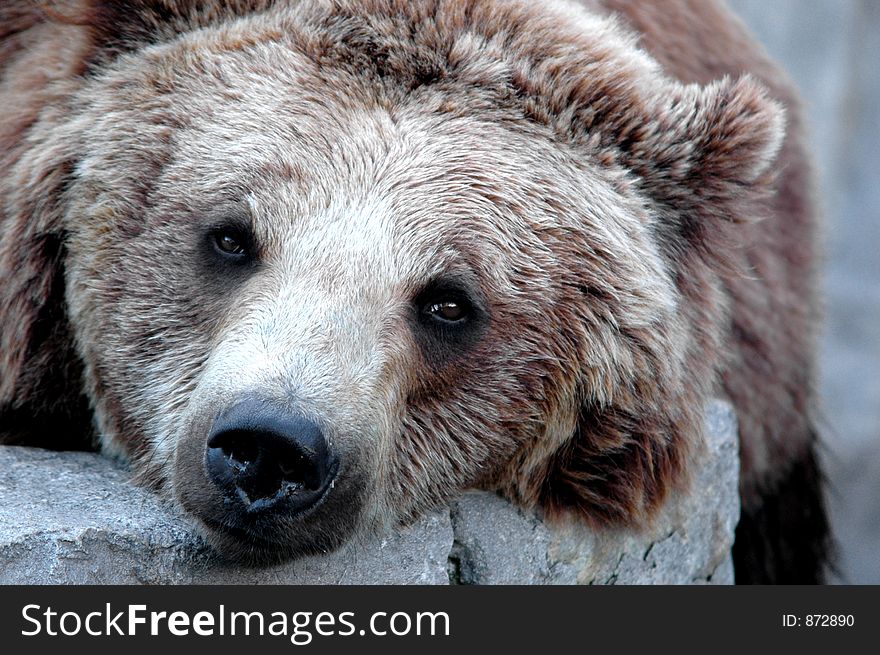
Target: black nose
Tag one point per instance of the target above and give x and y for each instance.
(265, 459)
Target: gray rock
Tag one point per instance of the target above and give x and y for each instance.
(689, 542)
(76, 518)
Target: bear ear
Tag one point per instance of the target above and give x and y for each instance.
(705, 154)
(707, 142)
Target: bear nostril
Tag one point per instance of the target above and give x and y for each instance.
(263, 459)
(295, 468)
(239, 450)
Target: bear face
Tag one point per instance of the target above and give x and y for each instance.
(327, 265)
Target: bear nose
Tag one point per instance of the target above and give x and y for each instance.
(265, 459)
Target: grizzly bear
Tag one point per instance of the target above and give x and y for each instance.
(315, 266)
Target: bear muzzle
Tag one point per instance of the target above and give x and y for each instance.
(266, 481)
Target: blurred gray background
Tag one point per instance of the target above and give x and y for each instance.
(831, 48)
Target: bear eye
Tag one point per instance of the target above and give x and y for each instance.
(444, 306)
(230, 243)
(448, 310)
(449, 317)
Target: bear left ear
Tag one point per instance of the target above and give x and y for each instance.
(706, 152)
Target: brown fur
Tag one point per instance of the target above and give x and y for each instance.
(621, 216)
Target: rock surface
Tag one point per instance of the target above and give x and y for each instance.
(75, 518)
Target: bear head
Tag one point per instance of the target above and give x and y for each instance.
(318, 266)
